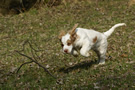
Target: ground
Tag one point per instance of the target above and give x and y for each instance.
(41, 28)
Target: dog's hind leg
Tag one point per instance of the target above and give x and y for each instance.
(101, 56)
(102, 59)
(101, 53)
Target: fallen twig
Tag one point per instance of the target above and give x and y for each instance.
(33, 59)
(22, 65)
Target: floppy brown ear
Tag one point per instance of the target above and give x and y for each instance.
(73, 33)
(62, 33)
(73, 29)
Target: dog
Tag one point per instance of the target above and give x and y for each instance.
(86, 39)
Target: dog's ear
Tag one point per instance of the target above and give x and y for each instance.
(62, 33)
(72, 32)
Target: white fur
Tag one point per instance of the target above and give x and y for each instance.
(84, 42)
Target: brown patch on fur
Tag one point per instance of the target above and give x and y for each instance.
(62, 33)
(72, 39)
(73, 35)
(69, 42)
(94, 39)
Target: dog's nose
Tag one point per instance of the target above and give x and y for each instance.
(66, 50)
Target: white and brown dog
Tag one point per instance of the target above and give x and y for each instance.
(86, 39)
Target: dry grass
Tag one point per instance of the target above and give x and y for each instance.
(42, 27)
(131, 2)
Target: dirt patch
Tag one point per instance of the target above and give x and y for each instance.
(15, 6)
(18, 6)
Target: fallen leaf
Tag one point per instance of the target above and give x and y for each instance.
(124, 55)
(47, 66)
(13, 69)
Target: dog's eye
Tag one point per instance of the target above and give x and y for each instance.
(68, 43)
(62, 45)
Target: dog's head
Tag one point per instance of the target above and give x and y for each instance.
(67, 40)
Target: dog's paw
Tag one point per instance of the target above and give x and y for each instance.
(86, 54)
(101, 62)
(75, 53)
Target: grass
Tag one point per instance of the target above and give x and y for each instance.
(41, 28)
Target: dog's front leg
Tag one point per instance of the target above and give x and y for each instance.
(74, 52)
(85, 50)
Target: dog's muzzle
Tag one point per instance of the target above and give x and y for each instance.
(66, 50)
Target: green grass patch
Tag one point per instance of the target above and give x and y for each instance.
(41, 28)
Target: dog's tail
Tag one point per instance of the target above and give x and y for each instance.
(110, 31)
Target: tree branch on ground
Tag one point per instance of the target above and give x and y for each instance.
(32, 59)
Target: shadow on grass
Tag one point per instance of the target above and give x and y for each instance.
(81, 65)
